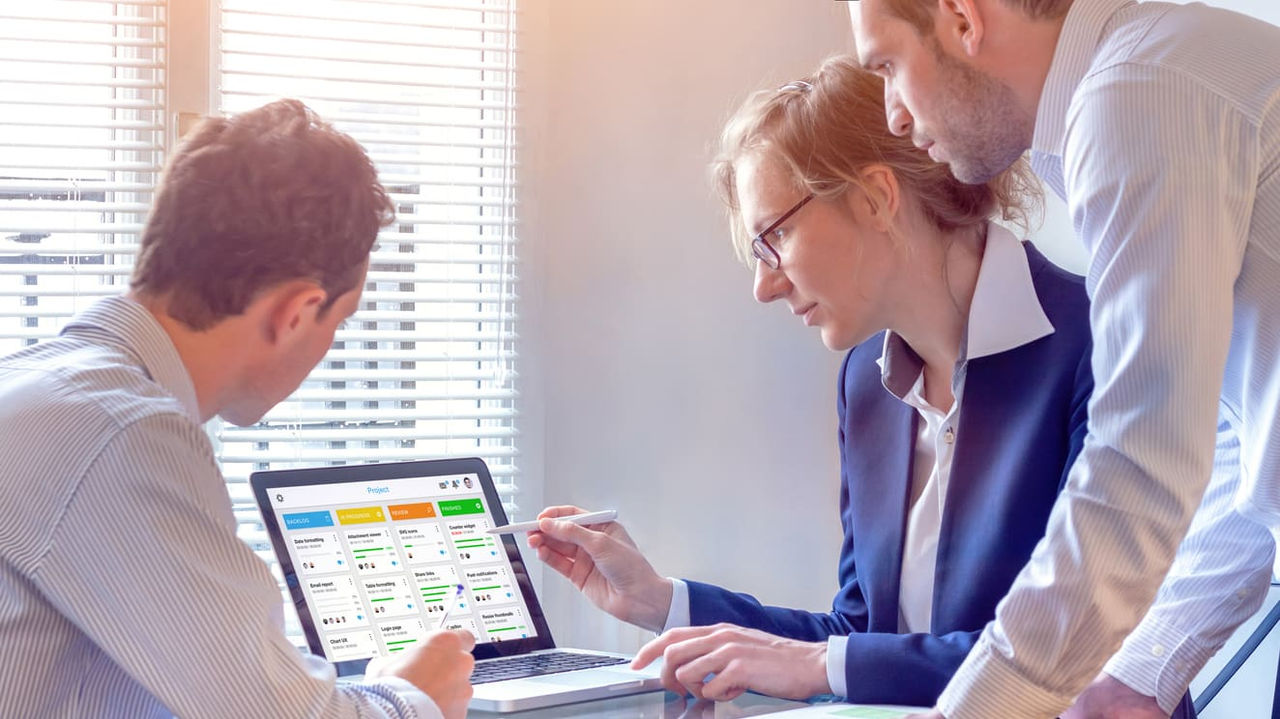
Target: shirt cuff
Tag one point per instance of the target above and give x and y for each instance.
(678, 614)
(407, 693)
(837, 648)
(1158, 660)
(987, 685)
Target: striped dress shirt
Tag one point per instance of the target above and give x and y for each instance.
(124, 591)
(1160, 126)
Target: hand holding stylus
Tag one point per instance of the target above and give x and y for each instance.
(604, 564)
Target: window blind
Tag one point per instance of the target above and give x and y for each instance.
(82, 97)
(426, 368)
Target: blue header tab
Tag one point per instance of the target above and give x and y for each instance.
(308, 520)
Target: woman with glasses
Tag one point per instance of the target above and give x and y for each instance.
(962, 403)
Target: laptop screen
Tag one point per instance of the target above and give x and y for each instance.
(373, 554)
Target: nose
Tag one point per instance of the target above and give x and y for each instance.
(895, 113)
(770, 284)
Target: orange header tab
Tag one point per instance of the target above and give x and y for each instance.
(419, 510)
(360, 515)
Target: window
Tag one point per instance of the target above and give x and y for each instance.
(427, 367)
(82, 97)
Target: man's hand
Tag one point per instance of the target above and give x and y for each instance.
(935, 714)
(604, 564)
(440, 666)
(1108, 698)
(741, 659)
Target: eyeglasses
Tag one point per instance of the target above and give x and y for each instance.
(761, 248)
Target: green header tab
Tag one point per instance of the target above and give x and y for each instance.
(452, 508)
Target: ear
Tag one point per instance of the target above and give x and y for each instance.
(289, 308)
(881, 195)
(960, 22)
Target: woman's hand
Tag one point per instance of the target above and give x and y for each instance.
(605, 565)
(722, 661)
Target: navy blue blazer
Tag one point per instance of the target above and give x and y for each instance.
(1023, 419)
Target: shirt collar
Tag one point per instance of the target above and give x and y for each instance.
(1081, 32)
(1006, 311)
(1005, 314)
(127, 323)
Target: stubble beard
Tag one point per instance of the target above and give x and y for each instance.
(988, 132)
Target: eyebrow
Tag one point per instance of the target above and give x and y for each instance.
(872, 50)
(868, 50)
(759, 227)
(786, 215)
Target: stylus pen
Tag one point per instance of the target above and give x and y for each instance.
(606, 515)
(452, 605)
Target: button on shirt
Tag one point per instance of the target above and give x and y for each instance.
(1158, 124)
(124, 591)
(1005, 313)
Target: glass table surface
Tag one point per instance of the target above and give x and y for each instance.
(653, 705)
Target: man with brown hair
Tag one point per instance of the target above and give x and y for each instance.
(1159, 124)
(124, 590)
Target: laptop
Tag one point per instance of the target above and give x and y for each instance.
(372, 555)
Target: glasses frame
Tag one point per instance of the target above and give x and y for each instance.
(760, 247)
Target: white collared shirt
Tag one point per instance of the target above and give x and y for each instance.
(1158, 124)
(931, 475)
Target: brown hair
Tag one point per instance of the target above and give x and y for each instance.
(247, 202)
(919, 13)
(829, 127)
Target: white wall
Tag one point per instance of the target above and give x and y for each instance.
(652, 382)
(665, 390)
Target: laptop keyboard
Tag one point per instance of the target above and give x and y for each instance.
(532, 665)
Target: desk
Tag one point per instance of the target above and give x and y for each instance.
(652, 705)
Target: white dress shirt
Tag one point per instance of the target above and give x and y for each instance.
(1005, 313)
(1160, 125)
(931, 475)
(124, 590)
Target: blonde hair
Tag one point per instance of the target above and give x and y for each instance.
(827, 128)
